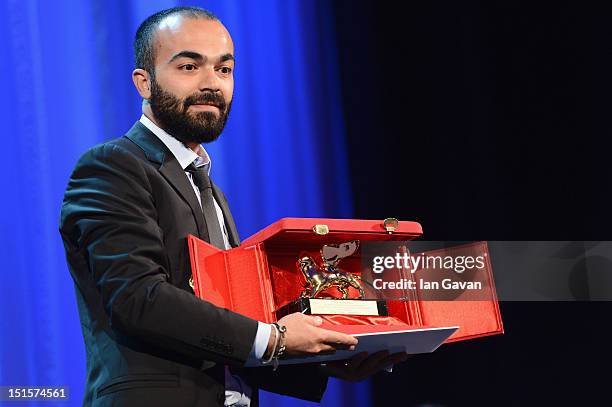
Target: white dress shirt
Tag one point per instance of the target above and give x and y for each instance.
(237, 393)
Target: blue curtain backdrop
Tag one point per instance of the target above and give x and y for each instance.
(65, 72)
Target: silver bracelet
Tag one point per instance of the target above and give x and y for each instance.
(278, 352)
(274, 348)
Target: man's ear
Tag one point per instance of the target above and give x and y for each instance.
(142, 81)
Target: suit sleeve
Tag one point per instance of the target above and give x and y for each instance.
(305, 381)
(109, 226)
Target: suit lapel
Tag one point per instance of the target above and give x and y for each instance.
(232, 232)
(156, 151)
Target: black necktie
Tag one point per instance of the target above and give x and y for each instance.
(202, 181)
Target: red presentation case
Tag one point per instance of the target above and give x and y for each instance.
(260, 276)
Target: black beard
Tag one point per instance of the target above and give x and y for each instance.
(199, 127)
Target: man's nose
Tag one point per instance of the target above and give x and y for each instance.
(209, 81)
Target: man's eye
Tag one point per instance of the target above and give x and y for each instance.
(226, 70)
(188, 67)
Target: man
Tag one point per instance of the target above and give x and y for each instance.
(128, 208)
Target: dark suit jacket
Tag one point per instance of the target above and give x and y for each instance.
(149, 341)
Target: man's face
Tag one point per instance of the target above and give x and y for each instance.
(193, 82)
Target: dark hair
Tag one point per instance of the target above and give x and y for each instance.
(144, 51)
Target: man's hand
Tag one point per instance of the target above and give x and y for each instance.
(362, 366)
(304, 337)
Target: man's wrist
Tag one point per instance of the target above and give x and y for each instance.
(270, 347)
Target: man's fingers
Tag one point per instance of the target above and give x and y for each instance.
(387, 362)
(314, 320)
(393, 359)
(355, 361)
(341, 346)
(398, 357)
(337, 339)
(374, 362)
(363, 365)
(327, 351)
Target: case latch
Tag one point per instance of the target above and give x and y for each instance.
(390, 224)
(320, 229)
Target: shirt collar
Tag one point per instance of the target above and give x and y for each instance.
(184, 155)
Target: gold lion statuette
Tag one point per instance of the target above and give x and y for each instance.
(327, 275)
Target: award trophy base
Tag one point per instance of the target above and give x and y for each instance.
(329, 306)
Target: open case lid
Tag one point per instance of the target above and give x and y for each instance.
(337, 230)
